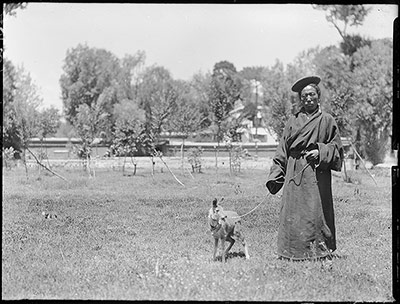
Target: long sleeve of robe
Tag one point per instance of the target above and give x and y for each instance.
(306, 221)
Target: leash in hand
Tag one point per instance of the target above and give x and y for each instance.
(301, 172)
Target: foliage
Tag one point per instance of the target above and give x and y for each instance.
(89, 123)
(8, 157)
(351, 43)
(93, 75)
(342, 16)
(25, 108)
(94, 80)
(360, 101)
(128, 79)
(303, 64)
(21, 116)
(157, 95)
(9, 128)
(66, 129)
(49, 122)
(225, 90)
(200, 85)
(186, 117)
(10, 8)
(23, 112)
(277, 97)
(373, 111)
(252, 92)
(338, 91)
(129, 134)
(87, 73)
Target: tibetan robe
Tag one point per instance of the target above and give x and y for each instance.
(306, 221)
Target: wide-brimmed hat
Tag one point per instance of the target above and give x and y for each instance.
(300, 84)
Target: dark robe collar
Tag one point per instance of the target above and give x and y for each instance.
(303, 111)
(314, 118)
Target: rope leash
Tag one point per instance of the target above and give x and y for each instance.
(243, 215)
(269, 193)
(300, 172)
(293, 177)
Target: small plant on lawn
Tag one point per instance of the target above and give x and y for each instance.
(83, 152)
(89, 122)
(194, 158)
(236, 154)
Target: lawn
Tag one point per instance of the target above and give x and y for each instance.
(146, 238)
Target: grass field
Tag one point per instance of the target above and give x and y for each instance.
(142, 238)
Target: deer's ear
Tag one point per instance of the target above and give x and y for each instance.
(215, 202)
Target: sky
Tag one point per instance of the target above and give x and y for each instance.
(184, 38)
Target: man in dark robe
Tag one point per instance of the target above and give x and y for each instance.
(307, 152)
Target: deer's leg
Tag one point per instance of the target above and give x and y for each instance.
(215, 249)
(223, 250)
(231, 242)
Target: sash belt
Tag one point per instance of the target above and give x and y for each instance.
(297, 153)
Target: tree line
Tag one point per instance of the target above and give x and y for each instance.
(129, 104)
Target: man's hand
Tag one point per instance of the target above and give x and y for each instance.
(312, 156)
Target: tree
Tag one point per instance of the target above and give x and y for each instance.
(338, 86)
(373, 93)
(157, 96)
(253, 78)
(66, 129)
(303, 64)
(89, 123)
(342, 17)
(351, 43)
(186, 118)
(49, 122)
(131, 67)
(22, 119)
(88, 74)
(199, 93)
(97, 78)
(225, 90)
(10, 8)
(129, 132)
(277, 95)
(25, 110)
(10, 135)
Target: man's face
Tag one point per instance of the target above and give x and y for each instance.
(309, 99)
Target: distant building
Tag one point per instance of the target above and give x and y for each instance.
(249, 133)
(258, 135)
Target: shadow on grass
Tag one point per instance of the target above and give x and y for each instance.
(339, 256)
(232, 255)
